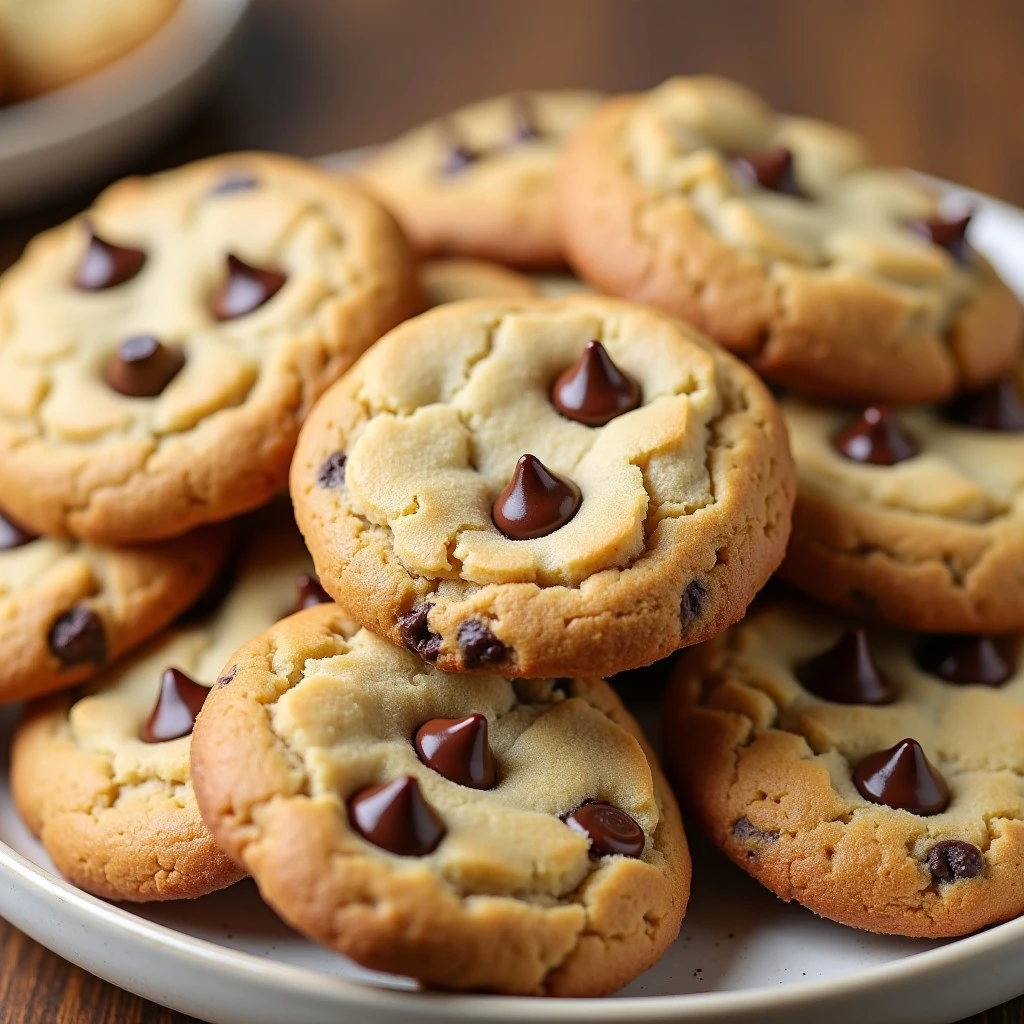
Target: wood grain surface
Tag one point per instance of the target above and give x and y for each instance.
(934, 84)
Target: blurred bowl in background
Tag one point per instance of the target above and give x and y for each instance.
(69, 137)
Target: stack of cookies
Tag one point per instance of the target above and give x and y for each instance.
(401, 728)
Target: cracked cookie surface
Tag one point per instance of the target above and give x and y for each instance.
(934, 541)
(110, 799)
(505, 896)
(681, 505)
(776, 236)
(769, 768)
(480, 181)
(159, 353)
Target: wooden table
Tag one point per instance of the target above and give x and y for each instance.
(934, 84)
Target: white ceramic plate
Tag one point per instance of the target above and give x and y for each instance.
(742, 956)
(73, 135)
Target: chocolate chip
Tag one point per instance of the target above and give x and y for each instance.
(524, 121)
(479, 646)
(417, 635)
(228, 676)
(106, 265)
(594, 390)
(78, 638)
(965, 659)
(458, 749)
(12, 535)
(142, 367)
(769, 168)
(904, 778)
(396, 817)
(877, 438)
(952, 859)
(951, 235)
(747, 833)
(332, 472)
(535, 502)
(846, 673)
(235, 183)
(177, 704)
(458, 155)
(244, 289)
(309, 593)
(997, 407)
(691, 604)
(611, 832)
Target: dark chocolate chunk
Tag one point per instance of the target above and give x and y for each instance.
(177, 704)
(396, 817)
(745, 832)
(106, 265)
(846, 673)
(458, 155)
(228, 676)
(997, 407)
(535, 502)
(952, 859)
(877, 438)
(479, 646)
(769, 168)
(904, 778)
(691, 604)
(965, 659)
(951, 235)
(611, 832)
(142, 367)
(458, 749)
(594, 390)
(244, 289)
(12, 535)
(309, 593)
(240, 182)
(78, 638)
(332, 472)
(417, 635)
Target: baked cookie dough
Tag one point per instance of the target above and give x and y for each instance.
(777, 237)
(477, 834)
(452, 280)
(480, 181)
(874, 776)
(101, 775)
(914, 516)
(158, 354)
(541, 487)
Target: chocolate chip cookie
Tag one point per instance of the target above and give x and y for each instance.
(158, 354)
(480, 181)
(102, 775)
(873, 776)
(914, 516)
(452, 280)
(545, 487)
(68, 608)
(777, 236)
(477, 834)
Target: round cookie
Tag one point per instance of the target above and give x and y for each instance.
(478, 834)
(874, 776)
(101, 775)
(777, 237)
(452, 280)
(480, 181)
(158, 354)
(455, 509)
(69, 608)
(914, 516)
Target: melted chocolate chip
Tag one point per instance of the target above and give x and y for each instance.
(235, 183)
(244, 289)
(77, 637)
(12, 535)
(594, 390)
(479, 646)
(458, 749)
(964, 659)
(876, 438)
(106, 265)
(746, 832)
(309, 593)
(396, 817)
(228, 676)
(611, 832)
(459, 156)
(769, 168)
(952, 859)
(536, 501)
(332, 472)
(691, 604)
(524, 121)
(904, 778)
(846, 673)
(951, 235)
(177, 704)
(417, 635)
(142, 367)
(997, 407)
